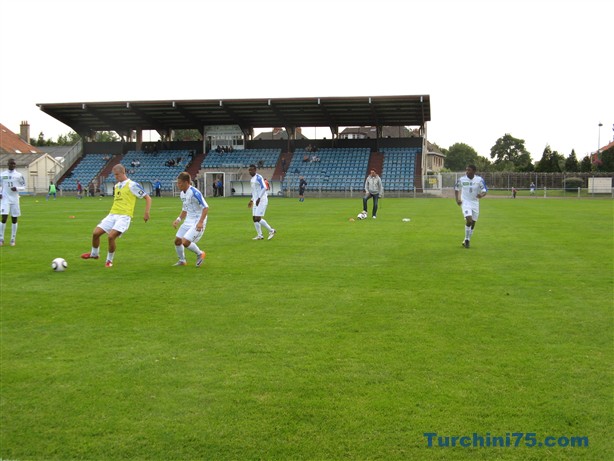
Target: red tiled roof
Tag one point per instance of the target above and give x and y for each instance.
(10, 143)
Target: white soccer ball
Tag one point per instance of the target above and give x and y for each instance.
(59, 264)
(362, 215)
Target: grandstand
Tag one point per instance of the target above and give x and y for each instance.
(86, 171)
(399, 168)
(164, 166)
(241, 158)
(338, 169)
(343, 162)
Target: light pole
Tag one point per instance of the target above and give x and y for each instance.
(599, 139)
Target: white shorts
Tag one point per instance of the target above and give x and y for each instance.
(471, 209)
(10, 208)
(118, 222)
(260, 209)
(190, 233)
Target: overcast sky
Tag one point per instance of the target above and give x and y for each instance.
(541, 70)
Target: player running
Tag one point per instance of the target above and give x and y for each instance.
(468, 191)
(194, 213)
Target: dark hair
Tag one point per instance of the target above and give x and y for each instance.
(472, 167)
(252, 166)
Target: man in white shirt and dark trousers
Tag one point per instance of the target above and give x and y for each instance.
(468, 191)
(258, 204)
(11, 183)
(373, 189)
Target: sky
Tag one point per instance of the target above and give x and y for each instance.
(540, 70)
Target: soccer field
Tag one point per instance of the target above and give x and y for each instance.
(335, 340)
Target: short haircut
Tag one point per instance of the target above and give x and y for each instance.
(185, 176)
(119, 168)
(253, 166)
(472, 167)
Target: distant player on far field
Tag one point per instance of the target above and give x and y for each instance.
(468, 191)
(258, 203)
(194, 215)
(125, 194)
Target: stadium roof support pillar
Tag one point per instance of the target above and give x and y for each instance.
(424, 146)
(335, 131)
(139, 139)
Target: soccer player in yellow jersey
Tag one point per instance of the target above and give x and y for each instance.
(125, 194)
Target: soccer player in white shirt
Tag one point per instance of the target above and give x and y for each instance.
(11, 183)
(194, 216)
(468, 191)
(258, 204)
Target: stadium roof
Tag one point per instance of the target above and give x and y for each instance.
(161, 116)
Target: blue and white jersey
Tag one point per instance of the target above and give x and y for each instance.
(193, 204)
(8, 180)
(258, 188)
(470, 188)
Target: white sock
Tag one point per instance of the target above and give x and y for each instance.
(180, 252)
(13, 231)
(258, 228)
(471, 232)
(94, 251)
(467, 232)
(266, 225)
(2, 227)
(194, 248)
(110, 256)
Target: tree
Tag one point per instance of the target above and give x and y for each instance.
(607, 160)
(41, 141)
(106, 136)
(510, 154)
(586, 165)
(187, 135)
(550, 162)
(483, 164)
(459, 155)
(571, 163)
(69, 139)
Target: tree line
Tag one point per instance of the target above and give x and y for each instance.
(509, 154)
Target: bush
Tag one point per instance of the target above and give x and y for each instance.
(572, 184)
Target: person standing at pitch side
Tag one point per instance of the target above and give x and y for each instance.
(12, 183)
(373, 189)
(258, 204)
(468, 191)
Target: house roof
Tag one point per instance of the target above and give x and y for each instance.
(12, 144)
(120, 116)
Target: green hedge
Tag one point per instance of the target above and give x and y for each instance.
(572, 184)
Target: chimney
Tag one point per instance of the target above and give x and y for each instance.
(24, 131)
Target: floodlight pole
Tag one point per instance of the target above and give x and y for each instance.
(599, 140)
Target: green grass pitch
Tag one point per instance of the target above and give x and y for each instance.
(334, 340)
